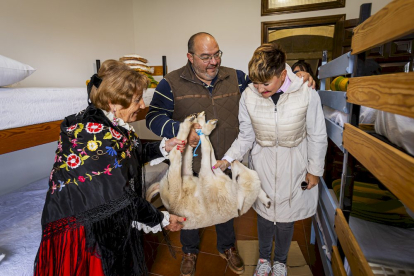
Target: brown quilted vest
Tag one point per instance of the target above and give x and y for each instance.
(191, 96)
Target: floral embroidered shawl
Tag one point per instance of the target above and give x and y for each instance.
(96, 183)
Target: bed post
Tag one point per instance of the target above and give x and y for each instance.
(347, 181)
(98, 65)
(164, 66)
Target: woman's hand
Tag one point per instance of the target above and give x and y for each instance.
(193, 137)
(171, 143)
(222, 164)
(175, 223)
(312, 180)
(306, 77)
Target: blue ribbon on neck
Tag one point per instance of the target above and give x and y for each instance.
(199, 132)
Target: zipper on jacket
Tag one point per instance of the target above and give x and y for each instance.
(277, 145)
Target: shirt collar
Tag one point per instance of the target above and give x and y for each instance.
(121, 122)
(285, 85)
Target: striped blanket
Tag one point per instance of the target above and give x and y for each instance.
(374, 204)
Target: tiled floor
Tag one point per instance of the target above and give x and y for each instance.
(209, 263)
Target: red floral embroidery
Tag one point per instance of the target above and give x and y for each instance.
(73, 161)
(94, 127)
(72, 128)
(81, 178)
(108, 170)
(115, 134)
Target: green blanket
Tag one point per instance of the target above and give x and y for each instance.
(374, 204)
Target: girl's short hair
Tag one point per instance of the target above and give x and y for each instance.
(119, 85)
(268, 61)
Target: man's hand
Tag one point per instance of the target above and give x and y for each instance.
(222, 164)
(193, 137)
(175, 223)
(312, 180)
(306, 77)
(171, 143)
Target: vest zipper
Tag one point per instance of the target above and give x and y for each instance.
(277, 145)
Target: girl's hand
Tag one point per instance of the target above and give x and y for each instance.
(222, 164)
(312, 180)
(306, 77)
(171, 143)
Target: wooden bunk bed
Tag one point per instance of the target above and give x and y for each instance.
(392, 167)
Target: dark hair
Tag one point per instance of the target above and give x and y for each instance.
(304, 66)
(119, 85)
(268, 61)
(191, 41)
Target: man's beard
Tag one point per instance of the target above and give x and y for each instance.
(205, 75)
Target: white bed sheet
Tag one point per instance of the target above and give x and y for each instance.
(396, 128)
(367, 115)
(20, 229)
(27, 106)
(384, 244)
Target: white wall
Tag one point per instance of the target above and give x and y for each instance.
(163, 27)
(62, 39)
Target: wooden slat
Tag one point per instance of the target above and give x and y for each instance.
(356, 259)
(28, 136)
(337, 264)
(157, 70)
(393, 21)
(392, 167)
(392, 93)
(366, 127)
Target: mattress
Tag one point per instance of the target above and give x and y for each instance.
(396, 128)
(367, 115)
(383, 246)
(20, 229)
(27, 106)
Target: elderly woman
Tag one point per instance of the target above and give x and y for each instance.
(94, 208)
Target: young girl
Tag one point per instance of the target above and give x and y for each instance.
(282, 122)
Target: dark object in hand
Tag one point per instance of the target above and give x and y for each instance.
(304, 185)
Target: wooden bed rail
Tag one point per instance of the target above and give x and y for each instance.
(34, 135)
(29, 136)
(392, 167)
(353, 253)
(392, 21)
(337, 264)
(392, 93)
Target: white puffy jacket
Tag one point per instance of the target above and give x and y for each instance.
(286, 142)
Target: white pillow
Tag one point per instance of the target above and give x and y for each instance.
(12, 71)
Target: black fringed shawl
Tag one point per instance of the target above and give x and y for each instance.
(97, 182)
